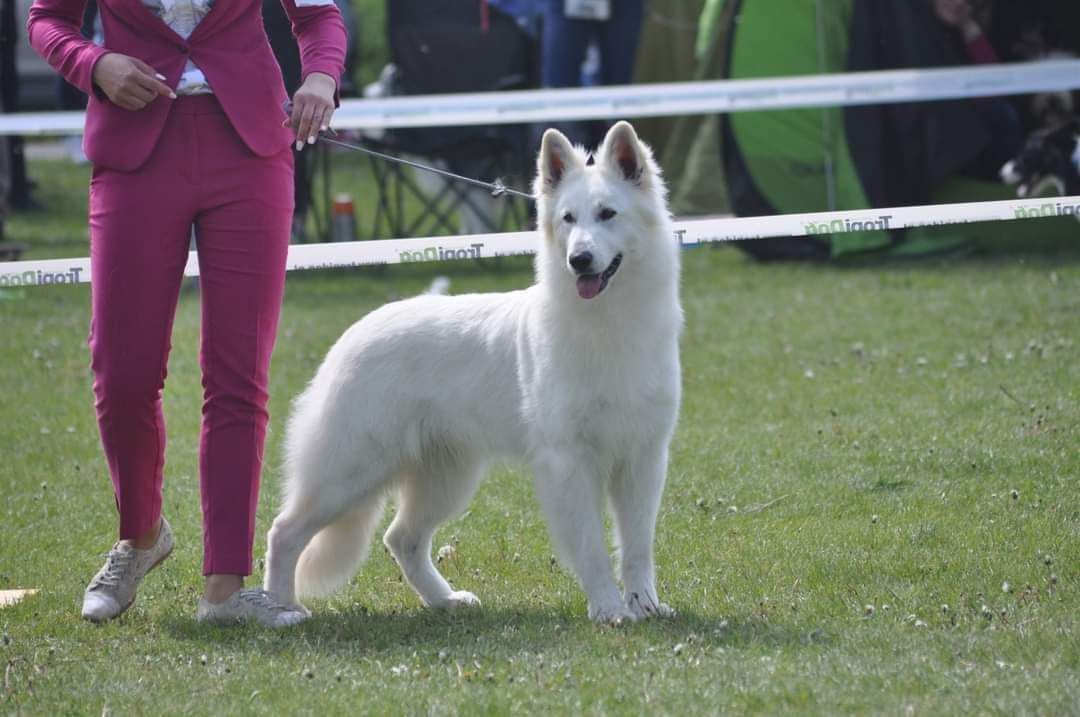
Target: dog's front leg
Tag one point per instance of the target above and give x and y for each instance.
(572, 498)
(635, 493)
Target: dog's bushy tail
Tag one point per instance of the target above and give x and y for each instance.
(335, 553)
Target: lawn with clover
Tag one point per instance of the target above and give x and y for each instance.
(872, 507)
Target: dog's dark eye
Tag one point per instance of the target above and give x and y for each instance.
(606, 214)
(568, 218)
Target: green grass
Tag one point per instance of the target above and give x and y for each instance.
(889, 411)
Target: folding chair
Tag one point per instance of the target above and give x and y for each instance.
(442, 46)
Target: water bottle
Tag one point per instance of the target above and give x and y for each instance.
(343, 219)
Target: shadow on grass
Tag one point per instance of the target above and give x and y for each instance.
(347, 631)
(518, 267)
(1033, 249)
(369, 286)
(889, 485)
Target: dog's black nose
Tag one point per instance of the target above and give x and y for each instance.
(581, 262)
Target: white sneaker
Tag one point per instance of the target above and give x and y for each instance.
(113, 588)
(251, 604)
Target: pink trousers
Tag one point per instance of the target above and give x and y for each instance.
(240, 204)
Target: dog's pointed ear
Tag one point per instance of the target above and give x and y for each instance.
(622, 150)
(557, 157)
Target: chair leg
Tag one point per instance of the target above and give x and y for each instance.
(439, 211)
(441, 220)
(384, 223)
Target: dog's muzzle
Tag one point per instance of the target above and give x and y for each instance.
(589, 286)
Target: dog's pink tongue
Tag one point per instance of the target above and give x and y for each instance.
(588, 285)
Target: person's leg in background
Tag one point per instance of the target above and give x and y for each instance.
(287, 53)
(69, 97)
(242, 237)
(1002, 121)
(353, 33)
(304, 165)
(5, 185)
(19, 187)
(563, 44)
(618, 42)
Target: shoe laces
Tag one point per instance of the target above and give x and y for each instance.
(259, 598)
(116, 567)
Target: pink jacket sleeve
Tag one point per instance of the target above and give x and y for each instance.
(320, 33)
(53, 28)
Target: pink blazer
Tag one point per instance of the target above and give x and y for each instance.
(229, 46)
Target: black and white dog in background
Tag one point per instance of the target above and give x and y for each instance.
(1050, 159)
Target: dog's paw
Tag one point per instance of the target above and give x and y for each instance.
(298, 607)
(458, 598)
(614, 616)
(293, 605)
(646, 605)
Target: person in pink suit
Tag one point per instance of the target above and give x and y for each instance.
(185, 128)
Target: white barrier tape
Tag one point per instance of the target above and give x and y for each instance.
(661, 99)
(689, 233)
(684, 98)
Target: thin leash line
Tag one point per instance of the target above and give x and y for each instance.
(497, 188)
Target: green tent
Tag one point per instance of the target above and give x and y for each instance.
(785, 161)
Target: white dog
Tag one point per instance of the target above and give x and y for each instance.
(578, 376)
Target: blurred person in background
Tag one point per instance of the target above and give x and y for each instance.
(968, 18)
(5, 160)
(6, 253)
(570, 27)
(283, 43)
(19, 185)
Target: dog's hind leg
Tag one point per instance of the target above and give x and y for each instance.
(572, 500)
(318, 541)
(634, 493)
(426, 500)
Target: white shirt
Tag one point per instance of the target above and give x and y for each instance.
(182, 16)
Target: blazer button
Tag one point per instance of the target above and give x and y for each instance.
(185, 50)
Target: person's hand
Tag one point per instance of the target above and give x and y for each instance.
(958, 14)
(129, 82)
(954, 13)
(312, 107)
